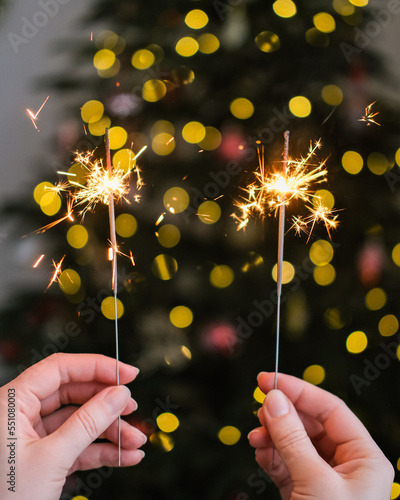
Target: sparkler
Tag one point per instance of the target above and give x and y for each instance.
(107, 186)
(101, 185)
(273, 191)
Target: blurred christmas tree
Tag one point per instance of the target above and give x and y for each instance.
(205, 85)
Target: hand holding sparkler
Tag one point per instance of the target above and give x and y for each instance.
(323, 450)
(63, 404)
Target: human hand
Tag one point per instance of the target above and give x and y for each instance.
(322, 450)
(51, 440)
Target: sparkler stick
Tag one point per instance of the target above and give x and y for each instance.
(114, 281)
(281, 238)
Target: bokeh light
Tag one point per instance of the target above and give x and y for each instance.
(99, 128)
(324, 275)
(164, 267)
(356, 342)
(92, 111)
(396, 254)
(284, 8)
(108, 308)
(397, 157)
(176, 200)
(142, 59)
(352, 162)
(196, 19)
(314, 374)
(163, 440)
(359, 3)
(343, 7)
(267, 41)
(125, 225)
(187, 46)
(258, 395)
(229, 435)
(388, 325)
(69, 281)
(77, 236)
(332, 95)
(168, 235)
(209, 212)
(167, 422)
(208, 43)
(153, 90)
(324, 22)
(321, 252)
(103, 59)
(117, 137)
(241, 108)
(163, 144)
(375, 299)
(287, 272)
(317, 39)
(124, 160)
(193, 132)
(300, 106)
(221, 276)
(324, 197)
(377, 163)
(50, 203)
(395, 491)
(181, 316)
(212, 139)
(40, 190)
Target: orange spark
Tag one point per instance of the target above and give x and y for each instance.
(368, 117)
(57, 272)
(33, 116)
(35, 265)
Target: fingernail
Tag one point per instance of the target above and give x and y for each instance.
(276, 404)
(144, 439)
(117, 398)
(250, 433)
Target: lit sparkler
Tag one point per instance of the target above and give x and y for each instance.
(107, 185)
(368, 117)
(273, 191)
(100, 185)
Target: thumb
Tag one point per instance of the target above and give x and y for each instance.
(88, 423)
(289, 436)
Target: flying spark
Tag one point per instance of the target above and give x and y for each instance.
(369, 117)
(33, 116)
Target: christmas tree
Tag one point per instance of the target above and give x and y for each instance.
(209, 87)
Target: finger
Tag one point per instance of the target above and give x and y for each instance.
(270, 461)
(290, 438)
(105, 455)
(88, 423)
(76, 393)
(44, 378)
(259, 438)
(321, 405)
(131, 437)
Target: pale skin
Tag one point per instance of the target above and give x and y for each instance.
(322, 450)
(52, 442)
